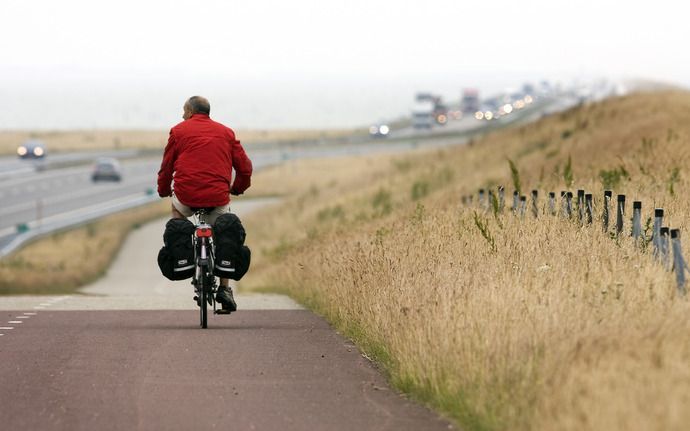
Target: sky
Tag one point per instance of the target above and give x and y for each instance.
(311, 64)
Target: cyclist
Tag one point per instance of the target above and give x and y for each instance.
(196, 171)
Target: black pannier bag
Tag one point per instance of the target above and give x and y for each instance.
(232, 256)
(176, 258)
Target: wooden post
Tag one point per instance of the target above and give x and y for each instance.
(678, 262)
(552, 203)
(656, 231)
(535, 208)
(516, 201)
(620, 212)
(664, 248)
(569, 204)
(637, 220)
(564, 203)
(481, 198)
(581, 205)
(501, 198)
(490, 201)
(589, 208)
(605, 213)
(523, 205)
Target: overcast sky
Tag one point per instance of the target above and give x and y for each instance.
(98, 52)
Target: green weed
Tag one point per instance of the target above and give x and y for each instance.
(515, 175)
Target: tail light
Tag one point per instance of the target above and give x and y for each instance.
(204, 232)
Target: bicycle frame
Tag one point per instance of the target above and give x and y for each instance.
(204, 281)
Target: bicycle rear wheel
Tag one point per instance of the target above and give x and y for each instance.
(203, 306)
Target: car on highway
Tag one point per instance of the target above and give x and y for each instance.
(106, 169)
(379, 130)
(31, 149)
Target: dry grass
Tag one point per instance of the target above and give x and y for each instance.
(530, 325)
(65, 261)
(80, 140)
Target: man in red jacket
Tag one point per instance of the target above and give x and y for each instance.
(196, 171)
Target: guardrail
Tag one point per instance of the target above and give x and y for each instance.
(665, 241)
(38, 228)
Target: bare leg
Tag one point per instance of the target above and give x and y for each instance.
(176, 213)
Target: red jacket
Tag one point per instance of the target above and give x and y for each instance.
(200, 156)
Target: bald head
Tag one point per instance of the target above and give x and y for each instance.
(196, 105)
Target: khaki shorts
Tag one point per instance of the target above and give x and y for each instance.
(210, 218)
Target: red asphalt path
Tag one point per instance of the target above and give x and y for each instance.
(151, 370)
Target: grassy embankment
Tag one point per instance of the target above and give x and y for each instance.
(63, 262)
(520, 324)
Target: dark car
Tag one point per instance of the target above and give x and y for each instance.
(107, 170)
(31, 150)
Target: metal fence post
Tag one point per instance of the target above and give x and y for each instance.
(589, 208)
(620, 212)
(656, 232)
(516, 201)
(535, 208)
(552, 203)
(564, 203)
(678, 262)
(501, 198)
(581, 205)
(637, 220)
(523, 205)
(569, 204)
(605, 213)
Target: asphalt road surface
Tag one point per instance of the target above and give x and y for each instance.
(127, 353)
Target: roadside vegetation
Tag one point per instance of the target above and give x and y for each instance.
(497, 321)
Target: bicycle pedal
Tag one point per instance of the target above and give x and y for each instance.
(222, 311)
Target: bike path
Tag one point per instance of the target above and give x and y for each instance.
(128, 354)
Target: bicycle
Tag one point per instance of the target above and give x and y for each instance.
(204, 282)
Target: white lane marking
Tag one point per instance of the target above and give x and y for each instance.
(14, 321)
(23, 317)
(6, 327)
(1, 335)
(30, 314)
(39, 308)
(46, 304)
